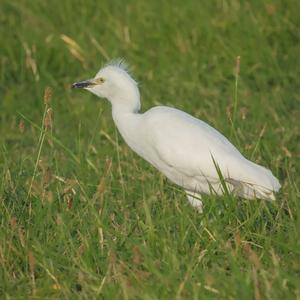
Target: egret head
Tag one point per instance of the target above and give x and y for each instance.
(114, 83)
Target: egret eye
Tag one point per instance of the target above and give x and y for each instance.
(99, 80)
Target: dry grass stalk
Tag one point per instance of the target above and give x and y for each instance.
(21, 236)
(136, 256)
(102, 184)
(30, 61)
(46, 123)
(252, 256)
(74, 49)
(31, 263)
(256, 284)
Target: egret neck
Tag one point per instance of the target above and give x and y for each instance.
(125, 112)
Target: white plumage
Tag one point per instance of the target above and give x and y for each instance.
(186, 150)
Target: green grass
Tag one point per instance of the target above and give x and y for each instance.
(81, 215)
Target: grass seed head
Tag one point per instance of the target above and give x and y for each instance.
(252, 256)
(48, 122)
(48, 95)
(13, 222)
(22, 126)
(31, 262)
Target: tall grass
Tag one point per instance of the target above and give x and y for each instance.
(82, 216)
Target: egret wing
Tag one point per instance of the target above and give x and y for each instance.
(193, 147)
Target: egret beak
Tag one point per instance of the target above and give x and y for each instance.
(83, 84)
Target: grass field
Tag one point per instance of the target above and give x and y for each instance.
(81, 215)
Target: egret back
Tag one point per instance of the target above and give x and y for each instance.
(192, 147)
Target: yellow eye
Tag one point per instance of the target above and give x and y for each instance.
(99, 80)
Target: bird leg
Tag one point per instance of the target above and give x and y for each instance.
(194, 200)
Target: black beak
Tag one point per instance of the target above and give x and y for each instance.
(82, 84)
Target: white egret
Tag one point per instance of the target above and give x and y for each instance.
(185, 149)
